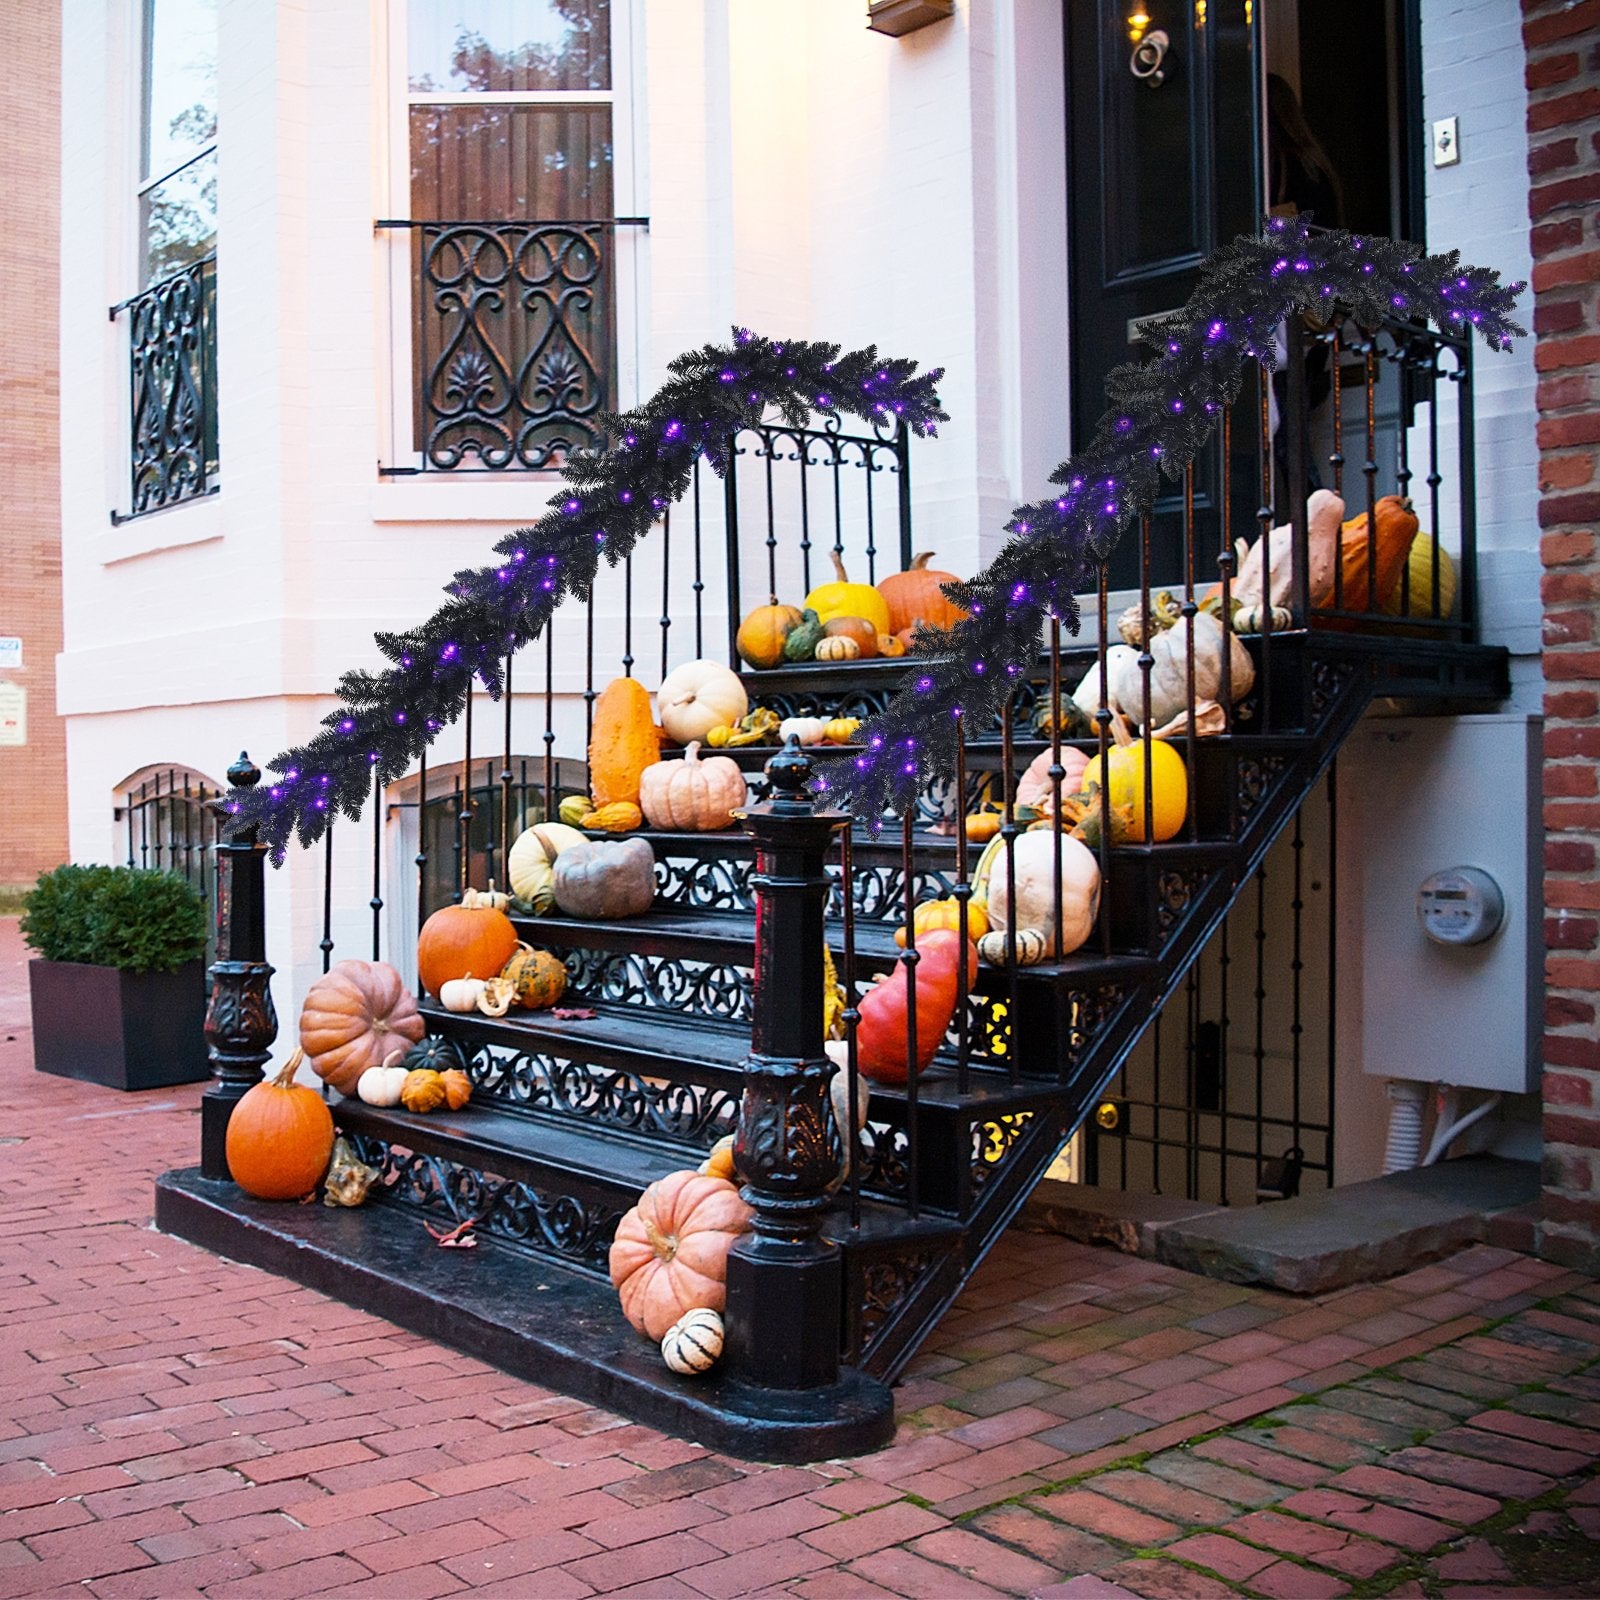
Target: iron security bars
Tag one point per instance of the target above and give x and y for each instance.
(172, 383)
(514, 336)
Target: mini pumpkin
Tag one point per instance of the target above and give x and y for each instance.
(381, 1086)
(670, 1252)
(457, 1089)
(995, 948)
(803, 638)
(423, 1091)
(891, 645)
(946, 913)
(694, 795)
(469, 939)
(696, 697)
(461, 995)
(693, 1344)
(573, 810)
(837, 649)
(608, 878)
(808, 730)
(841, 730)
(353, 1017)
(280, 1137)
(621, 816)
(536, 979)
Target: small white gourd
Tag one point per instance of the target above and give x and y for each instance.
(995, 948)
(461, 994)
(808, 730)
(381, 1086)
(693, 1344)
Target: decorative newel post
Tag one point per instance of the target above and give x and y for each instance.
(240, 1021)
(784, 1279)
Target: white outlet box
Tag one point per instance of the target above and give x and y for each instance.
(1446, 142)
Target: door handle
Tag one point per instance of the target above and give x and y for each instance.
(1146, 63)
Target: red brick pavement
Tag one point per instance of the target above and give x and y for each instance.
(1084, 1424)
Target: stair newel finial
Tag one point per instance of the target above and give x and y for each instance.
(784, 1280)
(240, 1021)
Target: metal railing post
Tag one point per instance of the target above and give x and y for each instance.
(240, 1021)
(785, 1281)
(1295, 423)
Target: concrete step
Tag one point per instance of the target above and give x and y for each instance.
(1309, 1245)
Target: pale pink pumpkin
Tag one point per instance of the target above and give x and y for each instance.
(670, 1254)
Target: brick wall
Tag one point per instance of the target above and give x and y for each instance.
(33, 835)
(1562, 39)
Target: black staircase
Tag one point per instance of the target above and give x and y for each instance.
(848, 1270)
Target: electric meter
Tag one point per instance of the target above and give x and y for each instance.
(1462, 905)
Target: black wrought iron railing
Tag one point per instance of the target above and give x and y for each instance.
(172, 388)
(514, 341)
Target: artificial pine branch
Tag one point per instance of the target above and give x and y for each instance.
(1159, 415)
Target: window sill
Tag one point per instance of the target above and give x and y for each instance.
(197, 521)
(517, 498)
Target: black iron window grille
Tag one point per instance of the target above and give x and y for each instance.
(170, 825)
(172, 381)
(514, 341)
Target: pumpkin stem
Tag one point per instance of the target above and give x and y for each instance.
(1120, 731)
(663, 1244)
(691, 756)
(838, 567)
(919, 562)
(285, 1077)
(394, 1058)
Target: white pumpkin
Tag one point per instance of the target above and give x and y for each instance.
(1121, 659)
(381, 1086)
(693, 1344)
(1036, 900)
(532, 858)
(808, 730)
(461, 994)
(695, 795)
(697, 697)
(1324, 513)
(1169, 671)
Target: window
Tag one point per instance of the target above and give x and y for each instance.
(511, 139)
(170, 322)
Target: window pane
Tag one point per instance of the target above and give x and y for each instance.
(180, 90)
(503, 46)
(178, 219)
(509, 163)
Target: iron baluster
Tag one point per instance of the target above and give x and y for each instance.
(1189, 610)
(1295, 424)
(1147, 661)
(1224, 963)
(963, 896)
(464, 795)
(1297, 905)
(902, 451)
(770, 441)
(627, 615)
(910, 959)
(326, 946)
(1336, 458)
(1261, 1002)
(666, 584)
(507, 777)
(377, 864)
(456, 833)
(852, 1017)
(1226, 561)
(420, 860)
(699, 581)
(144, 828)
(1467, 475)
(1102, 720)
(730, 517)
(552, 803)
(1008, 848)
(872, 536)
(803, 455)
(1057, 773)
(1264, 521)
(240, 1020)
(785, 1280)
(1406, 362)
(1369, 469)
(590, 693)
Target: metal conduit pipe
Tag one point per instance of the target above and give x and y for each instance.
(1403, 1149)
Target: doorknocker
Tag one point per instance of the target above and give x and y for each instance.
(1148, 55)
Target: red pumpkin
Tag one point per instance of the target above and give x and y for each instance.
(670, 1253)
(881, 1033)
(280, 1137)
(472, 940)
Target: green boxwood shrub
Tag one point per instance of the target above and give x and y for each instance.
(115, 917)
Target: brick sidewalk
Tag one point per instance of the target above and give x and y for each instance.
(1084, 1425)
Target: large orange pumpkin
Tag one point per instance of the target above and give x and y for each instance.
(622, 742)
(355, 1016)
(916, 595)
(670, 1253)
(1397, 528)
(472, 940)
(280, 1137)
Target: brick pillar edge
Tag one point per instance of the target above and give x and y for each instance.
(1562, 41)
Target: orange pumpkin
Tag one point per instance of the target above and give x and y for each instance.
(916, 595)
(457, 1088)
(354, 1017)
(280, 1137)
(538, 979)
(857, 629)
(1397, 528)
(471, 940)
(908, 636)
(670, 1253)
(891, 645)
(763, 634)
(622, 743)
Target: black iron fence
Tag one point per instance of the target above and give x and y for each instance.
(514, 341)
(169, 824)
(172, 382)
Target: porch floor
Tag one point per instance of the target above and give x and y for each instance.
(1083, 1424)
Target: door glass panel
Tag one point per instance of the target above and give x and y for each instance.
(178, 219)
(509, 46)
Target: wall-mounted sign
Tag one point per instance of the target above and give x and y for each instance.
(10, 652)
(13, 714)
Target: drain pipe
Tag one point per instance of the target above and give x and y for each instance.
(1447, 1135)
(1404, 1147)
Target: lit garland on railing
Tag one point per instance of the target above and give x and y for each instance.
(1159, 416)
(386, 719)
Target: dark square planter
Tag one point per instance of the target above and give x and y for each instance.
(126, 1030)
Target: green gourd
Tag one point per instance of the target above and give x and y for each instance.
(803, 638)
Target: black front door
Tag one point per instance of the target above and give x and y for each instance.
(1165, 161)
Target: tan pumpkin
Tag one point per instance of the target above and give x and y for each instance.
(1034, 787)
(763, 634)
(858, 628)
(1169, 671)
(621, 816)
(537, 978)
(1323, 512)
(694, 796)
(1035, 882)
(461, 995)
(354, 1017)
(670, 1253)
(622, 742)
(470, 940)
(697, 697)
(532, 859)
(837, 649)
(916, 596)
(280, 1137)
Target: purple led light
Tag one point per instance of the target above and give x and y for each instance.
(347, 726)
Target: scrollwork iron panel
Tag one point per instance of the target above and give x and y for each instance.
(172, 372)
(993, 1140)
(622, 977)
